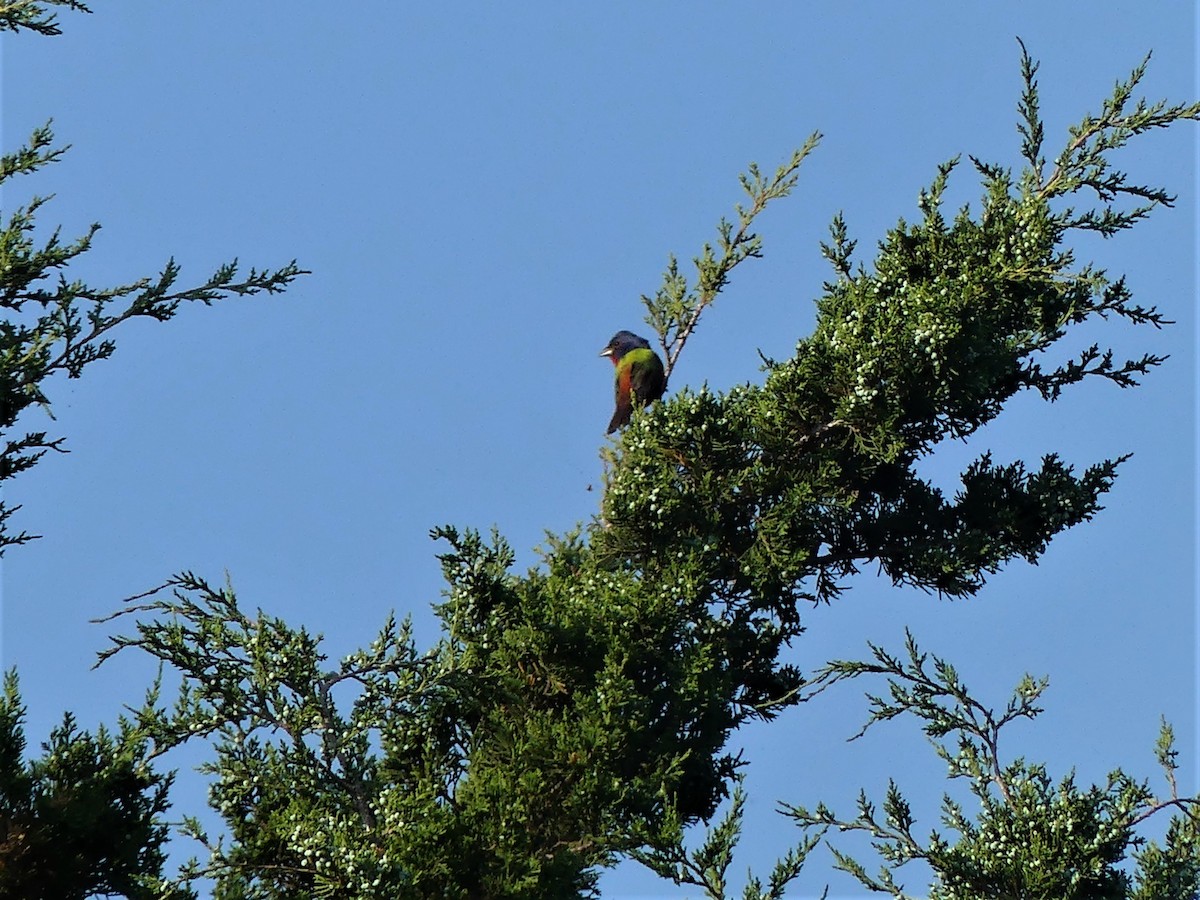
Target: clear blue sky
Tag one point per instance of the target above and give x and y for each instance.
(482, 192)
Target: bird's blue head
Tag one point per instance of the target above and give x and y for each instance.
(622, 342)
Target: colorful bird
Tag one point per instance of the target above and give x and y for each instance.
(641, 378)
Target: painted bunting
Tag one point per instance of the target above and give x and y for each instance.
(641, 378)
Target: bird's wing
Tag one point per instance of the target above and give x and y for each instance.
(647, 379)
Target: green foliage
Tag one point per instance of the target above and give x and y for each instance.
(1031, 838)
(84, 819)
(50, 325)
(780, 491)
(581, 711)
(313, 801)
(35, 15)
(675, 310)
(566, 716)
(707, 867)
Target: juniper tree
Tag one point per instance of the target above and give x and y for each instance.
(86, 817)
(1033, 837)
(581, 711)
(53, 326)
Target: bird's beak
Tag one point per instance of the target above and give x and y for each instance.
(607, 351)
